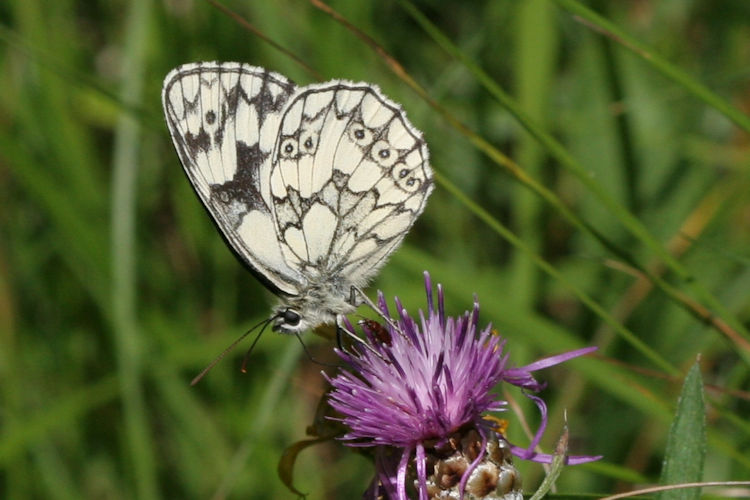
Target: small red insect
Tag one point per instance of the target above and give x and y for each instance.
(378, 331)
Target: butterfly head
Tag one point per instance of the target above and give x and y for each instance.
(317, 305)
(291, 320)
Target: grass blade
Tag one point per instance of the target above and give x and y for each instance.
(686, 442)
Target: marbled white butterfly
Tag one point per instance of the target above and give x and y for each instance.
(312, 187)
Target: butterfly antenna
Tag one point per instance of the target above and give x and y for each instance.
(221, 356)
(243, 368)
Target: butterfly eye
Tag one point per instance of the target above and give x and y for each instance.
(291, 318)
(383, 154)
(361, 135)
(288, 148)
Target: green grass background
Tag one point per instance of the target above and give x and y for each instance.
(598, 195)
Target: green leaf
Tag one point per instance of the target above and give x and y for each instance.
(686, 443)
(286, 464)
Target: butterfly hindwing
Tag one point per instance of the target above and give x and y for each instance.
(224, 120)
(348, 179)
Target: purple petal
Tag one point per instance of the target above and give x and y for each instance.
(401, 476)
(542, 425)
(472, 466)
(546, 458)
(421, 460)
(441, 306)
(386, 468)
(428, 289)
(557, 359)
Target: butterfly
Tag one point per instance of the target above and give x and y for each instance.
(311, 187)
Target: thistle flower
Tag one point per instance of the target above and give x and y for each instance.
(420, 393)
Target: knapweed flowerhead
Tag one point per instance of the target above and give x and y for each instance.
(420, 392)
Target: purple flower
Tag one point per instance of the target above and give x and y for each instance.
(423, 390)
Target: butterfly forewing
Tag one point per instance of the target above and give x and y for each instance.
(224, 119)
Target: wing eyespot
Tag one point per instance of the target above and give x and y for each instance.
(383, 154)
(210, 117)
(289, 148)
(405, 178)
(309, 142)
(361, 135)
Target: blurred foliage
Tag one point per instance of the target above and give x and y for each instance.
(622, 220)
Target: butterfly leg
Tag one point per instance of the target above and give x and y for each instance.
(341, 329)
(339, 335)
(366, 300)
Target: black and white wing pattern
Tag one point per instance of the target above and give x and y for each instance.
(313, 187)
